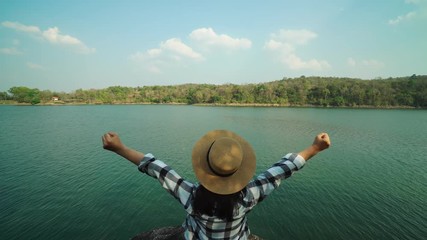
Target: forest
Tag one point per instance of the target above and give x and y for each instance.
(408, 92)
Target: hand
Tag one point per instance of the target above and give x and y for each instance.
(322, 142)
(111, 141)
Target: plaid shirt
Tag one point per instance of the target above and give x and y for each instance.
(209, 227)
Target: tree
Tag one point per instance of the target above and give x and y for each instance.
(46, 95)
(237, 94)
(25, 95)
(4, 96)
(317, 91)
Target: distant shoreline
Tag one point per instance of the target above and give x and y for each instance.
(10, 103)
(319, 92)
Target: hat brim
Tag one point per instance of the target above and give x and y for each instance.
(213, 182)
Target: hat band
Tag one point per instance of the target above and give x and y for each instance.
(213, 170)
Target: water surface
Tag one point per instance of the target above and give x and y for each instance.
(57, 182)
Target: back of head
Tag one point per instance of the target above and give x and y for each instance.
(218, 205)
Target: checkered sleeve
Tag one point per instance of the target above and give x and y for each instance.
(266, 182)
(168, 178)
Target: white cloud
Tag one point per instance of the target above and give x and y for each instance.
(21, 27)
(373, 63)
(419, 12)
(35, 66)
(143, 56)
(172, 48)
(169, 51)
(175, 45)
(295, 62)
(154, 69)
(401, 18)
(154, 52)
(174, 51)
(284, 45)
(51, 35)
(10, 51)
(366, 63)
(208, 37)
(152, 60)
(295, 37)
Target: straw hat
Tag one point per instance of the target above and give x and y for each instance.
(223, 162)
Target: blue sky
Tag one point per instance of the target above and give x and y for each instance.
(66, 45)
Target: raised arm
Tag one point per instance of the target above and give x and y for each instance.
(261, 186)
(112, 142)
(320, 143)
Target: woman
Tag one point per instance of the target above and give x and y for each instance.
(224, 163)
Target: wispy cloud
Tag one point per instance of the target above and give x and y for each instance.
(412, 1)
(402, 18)
(208, 37)
(285, 43)
(35, 66)
(172, 49)
(151, 60)
(175, 50)
(21, 27)
(373, 63)
(294, 37)
(10, 51)
(366, 63)
(351, 62)
(52, 35)
(419, 11)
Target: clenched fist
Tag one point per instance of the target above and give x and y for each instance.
(112, 142)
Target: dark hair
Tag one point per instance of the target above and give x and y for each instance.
(213, 204)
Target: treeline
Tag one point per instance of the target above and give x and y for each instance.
(302, 91)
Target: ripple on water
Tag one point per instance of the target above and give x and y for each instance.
(57, 182)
